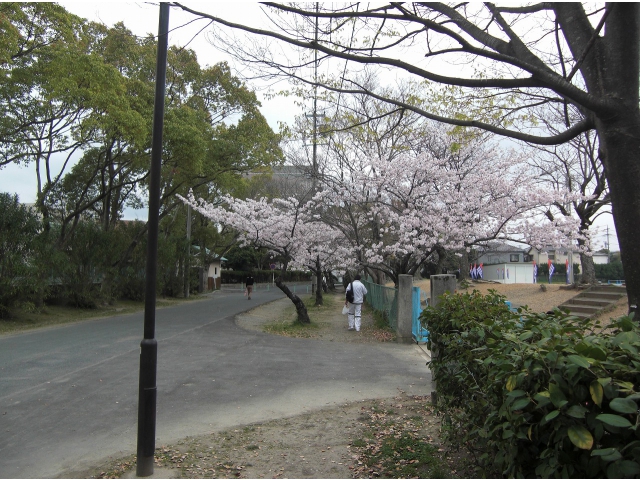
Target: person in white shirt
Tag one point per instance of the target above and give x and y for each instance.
(355, 307)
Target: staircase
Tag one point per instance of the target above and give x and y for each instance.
(594, 300)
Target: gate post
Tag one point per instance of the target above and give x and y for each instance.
(440, 284)
(405, 309)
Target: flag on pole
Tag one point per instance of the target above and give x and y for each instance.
(479, 271)
(475, 270)
(471, 270)
(535, 272)
(551, 269)
(507, 273)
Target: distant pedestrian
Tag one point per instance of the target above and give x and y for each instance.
(355, 306)
(249, 284)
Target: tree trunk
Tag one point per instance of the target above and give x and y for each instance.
(619, 133)
(464, 265)
(588, 274)
(301, 309)
(319, 300)
(620, 147)
(442, 256)
(330, 285)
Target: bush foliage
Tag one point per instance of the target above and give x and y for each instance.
(609, 271)
(537, 395)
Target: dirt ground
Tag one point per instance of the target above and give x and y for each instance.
(533, 296)
(325, 443)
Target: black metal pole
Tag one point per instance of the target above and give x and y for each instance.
(149, 346)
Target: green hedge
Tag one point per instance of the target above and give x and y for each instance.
(558, 269)
(609, 271)
(263, 276)
(536, 395)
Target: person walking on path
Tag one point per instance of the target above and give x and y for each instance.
(355, 305)
(249, 284)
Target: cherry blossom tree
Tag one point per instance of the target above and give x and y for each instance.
(398, 213)
(287, 228)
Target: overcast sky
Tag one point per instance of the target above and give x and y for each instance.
(142, 18)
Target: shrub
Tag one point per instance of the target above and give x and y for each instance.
(537, 395)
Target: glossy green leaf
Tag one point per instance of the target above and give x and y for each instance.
(623, 469)
(592, 351)
(612, 457)
(613, 420)
(579, 360)
(577, 411)
(557, 397)
(516, 393)
(597, 392)
(580, 437)
(511, 383)
(551, 415)
(626, 337)
(520, 403)
(526, 335)
(604, 381)
(623, 405)
(603, 452)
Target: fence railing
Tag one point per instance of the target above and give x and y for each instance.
(420, 334)
(384, 300)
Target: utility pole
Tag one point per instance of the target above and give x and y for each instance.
(187, 262)
(315, 109)
(608, 247)
(147, 391)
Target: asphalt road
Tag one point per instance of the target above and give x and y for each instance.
(69, 395)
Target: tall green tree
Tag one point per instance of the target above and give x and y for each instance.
(19, 226)
(74, 88)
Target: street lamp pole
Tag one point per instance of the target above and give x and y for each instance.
(149, 346)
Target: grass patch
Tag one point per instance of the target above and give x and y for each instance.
(293, 328)
(288, 325)
(382, 331)
(23, 319)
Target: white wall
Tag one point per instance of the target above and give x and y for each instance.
(509, 272)
(214, 270)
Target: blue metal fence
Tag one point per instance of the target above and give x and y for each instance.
(420, 334)
(384, 300)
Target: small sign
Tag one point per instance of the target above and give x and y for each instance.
(273, 266)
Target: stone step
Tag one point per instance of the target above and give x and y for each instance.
(606, 288)
(580, 314)
(601, 295)
(596, 299)
(588, 301)
(587, 309)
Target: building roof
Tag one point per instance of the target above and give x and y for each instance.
(502, 247)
